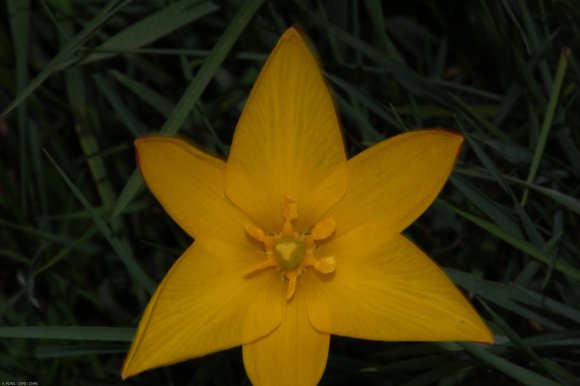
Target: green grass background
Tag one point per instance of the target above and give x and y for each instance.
(82, 243)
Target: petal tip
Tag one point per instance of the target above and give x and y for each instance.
(292, 32)
(456, 138)
(487, 337)
(147, 138)
(129, 369)
(480, 332)
(125, 372)
(450, 133)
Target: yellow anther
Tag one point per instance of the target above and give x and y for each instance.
(325, 265)
(323, 229)
(290, 213)
(289, 208)
(255, 232)
(291, 276)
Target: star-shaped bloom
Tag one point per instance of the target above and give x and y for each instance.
(293, 242)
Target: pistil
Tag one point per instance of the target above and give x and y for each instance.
(292, 252)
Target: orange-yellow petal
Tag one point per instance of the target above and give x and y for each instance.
(293, 354)
(385, 288)
(206, 304)
(395, 181)
(189, 184)
(288, 142)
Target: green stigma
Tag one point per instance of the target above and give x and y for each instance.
(289, 252)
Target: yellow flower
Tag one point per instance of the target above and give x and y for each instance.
(293, 242)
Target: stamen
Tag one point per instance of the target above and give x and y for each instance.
(290, 252)
(290, 209)
(268, 263)
(308, 261)
(292, 276)
(269, 242)
(290, 212)
(323, 229)
(308, 242)
(255, 232)
(326, 264)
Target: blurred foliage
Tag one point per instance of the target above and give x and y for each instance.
(82, 243)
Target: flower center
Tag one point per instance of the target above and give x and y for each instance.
(291, 252)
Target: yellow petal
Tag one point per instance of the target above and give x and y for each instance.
(288, 142)
(293, 354)
(395, 181)
(206, 304)
(189, 184)
(385, 288)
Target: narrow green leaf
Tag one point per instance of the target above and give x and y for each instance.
(437, 374)
(369, 102)
(76, 350)
(571, 150)
(563, 199)
(90, 232)
(526, 348)
(191, 96)
(487, 206)
(514, 371)
(511, 295)
(19, 25)
(375, 12)
(210, 66)
(67, 51)
(547, 124)
(110, 334)
(407, 77)
(86, 125)
(134, 269)
(488, 164)
(132, 187)
(15, 256)
(129, 120)
(369, 135)
(516, 242)
(52, 237)
(567, 311)
(151, 97)
(153, 27)
(535, 34)
(526, 275)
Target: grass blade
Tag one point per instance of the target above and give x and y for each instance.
(107, 334)
(547, 124)
(516, 242)
(67, 51)
(134, 269)
(153, 27)
(195, 89)
(153, 98)
(516, 372)
(76, 350)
